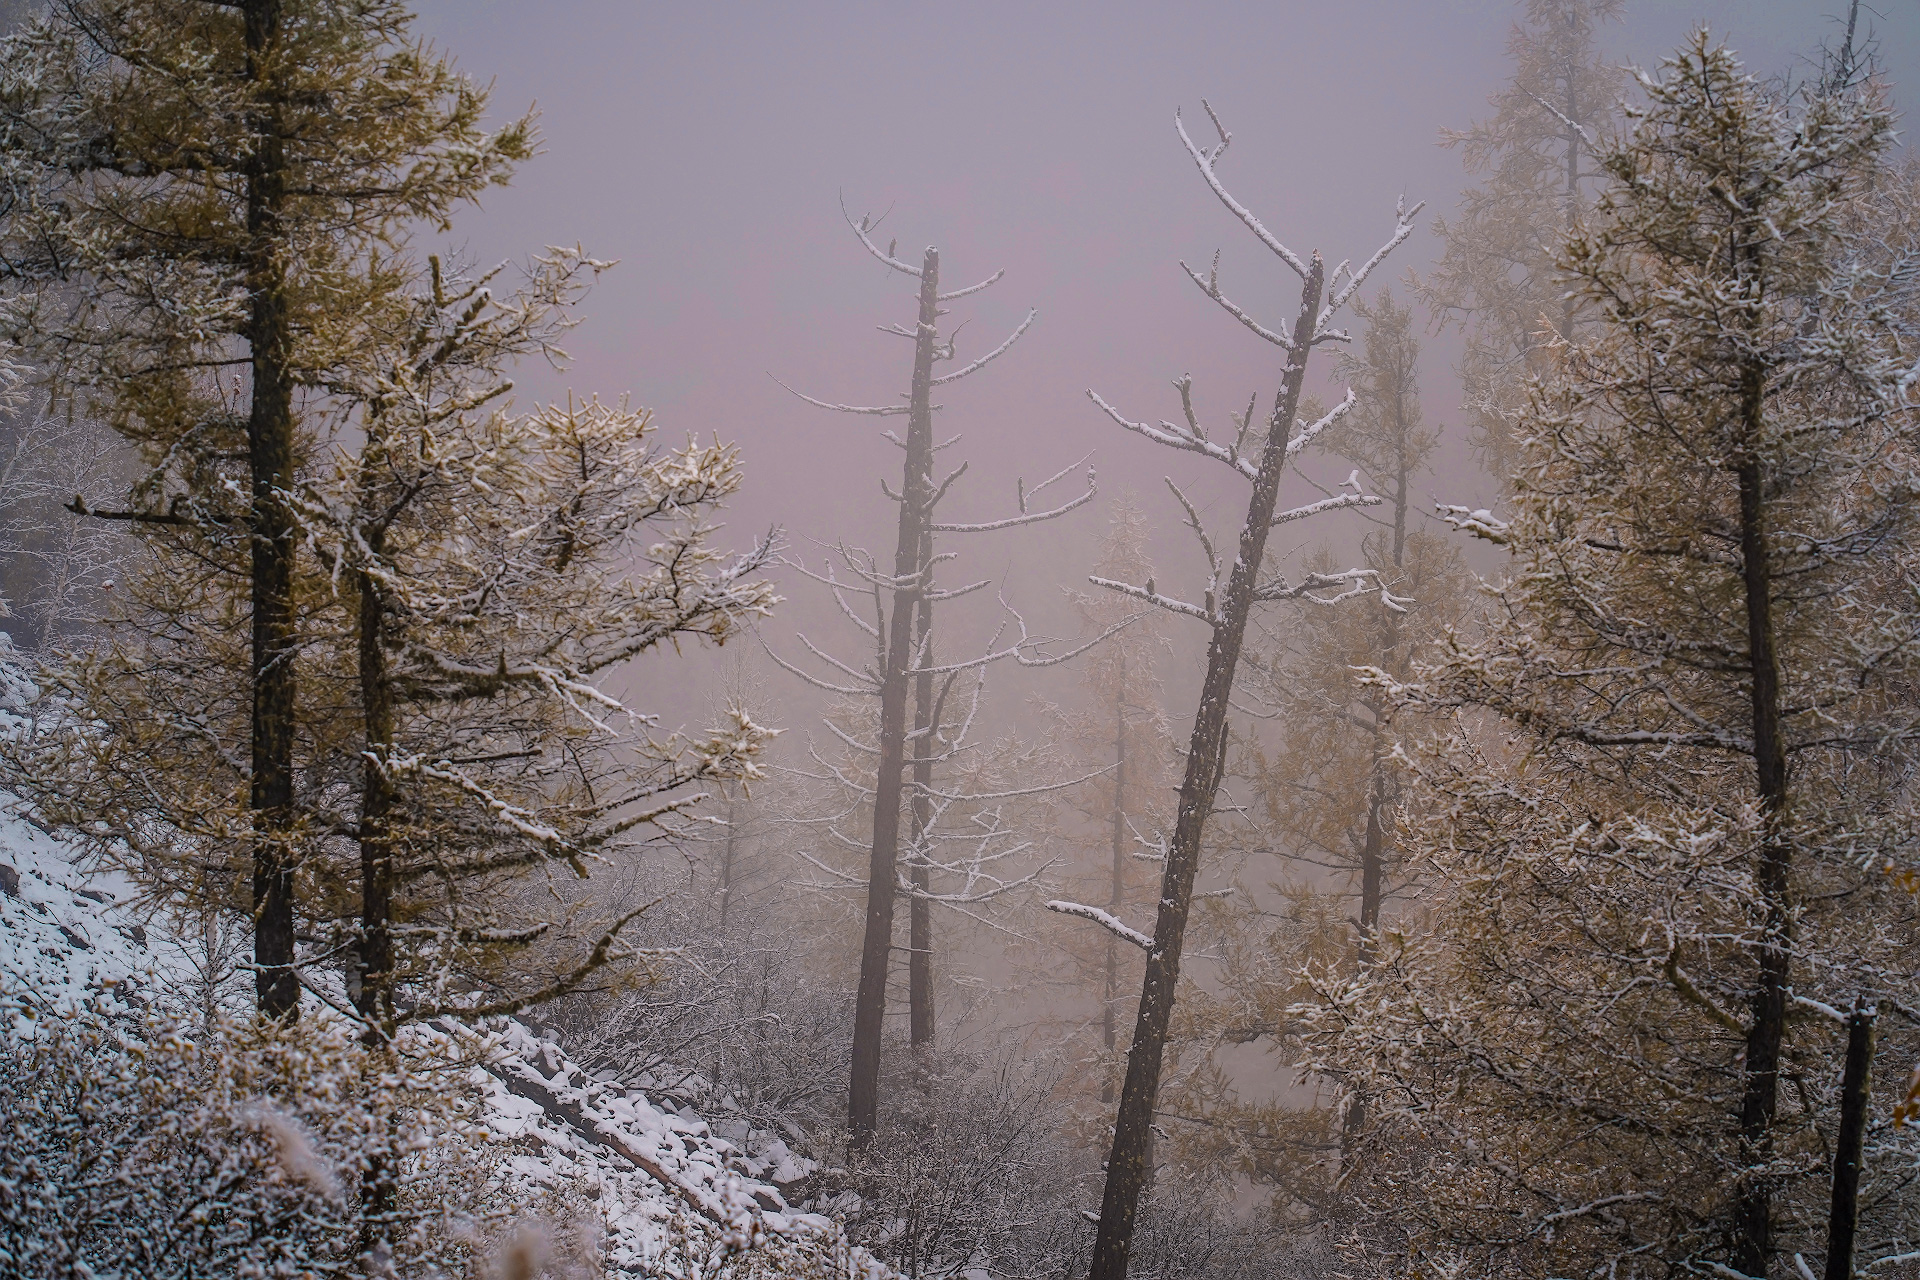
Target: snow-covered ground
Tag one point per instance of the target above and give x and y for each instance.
(666, 1185)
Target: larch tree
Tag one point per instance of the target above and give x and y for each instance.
(499, 566)
(907, 667)
(494, 568)
(197, 192)
(1660, 821)
(1497, 275)
(1259, 451)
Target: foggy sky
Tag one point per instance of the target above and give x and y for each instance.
(706, 146)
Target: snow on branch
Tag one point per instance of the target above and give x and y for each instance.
(1023, 496)
(883, 410)
(1153, 597)
(1335, 503)
(988, 358)
(973, 288)
(1206, 161)
(1124, 932)
(1355, 582)
(1210, 285)
(1480, 522)
(1179, 438)
(1306, 436)
(866, 224)
(1402, 228)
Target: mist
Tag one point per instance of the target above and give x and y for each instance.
(828, 640)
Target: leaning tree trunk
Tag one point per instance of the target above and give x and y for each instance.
(870, 1007)
(1127, 1165)
(271, 533)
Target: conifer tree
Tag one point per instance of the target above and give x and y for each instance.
(1673, 776)
(200, 202)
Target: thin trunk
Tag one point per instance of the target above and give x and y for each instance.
(1127, 1165)
(1760, 1095)
(726, 866)
(870, 1007)
(1110, 994)
(1856, 1090)
(1373, 850)
(378, 800)
(1573, 182)
(270, 455)
(919, 910)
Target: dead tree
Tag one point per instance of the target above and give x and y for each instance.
(1262, 458)
(901, 630)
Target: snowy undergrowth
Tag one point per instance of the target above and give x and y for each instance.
(636, 1183)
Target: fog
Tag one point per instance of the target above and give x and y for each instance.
(1530, 803)
(708, 148)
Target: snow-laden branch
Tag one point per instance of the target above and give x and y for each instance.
(861, 691)
(1210, 285)
(1153, 597)
(1023, 496)
(1206, 160)
(1480, 522)
(862, 227)
(1402, 228)
(1122, 931)
(1311, 432)
(1357, 582)
(882, 410)
(973, 288)
(1176, 437)
(988, 358)
(1336, 503)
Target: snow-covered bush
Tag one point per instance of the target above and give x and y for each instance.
(135, 1145)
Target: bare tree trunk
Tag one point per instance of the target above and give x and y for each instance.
(1760, 1094)
(1110, 994)
(919, 911)
(1856, 1090)
(1127, 1165)
(870, 1007)
(374, 998)
(270, 450)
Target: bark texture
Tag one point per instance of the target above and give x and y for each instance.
(270, 455)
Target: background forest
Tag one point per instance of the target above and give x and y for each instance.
(1359, 722)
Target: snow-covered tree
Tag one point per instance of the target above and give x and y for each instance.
(1260, 452)
(497, 567)
(1661, 821)
(204, 192)
(909, 665)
